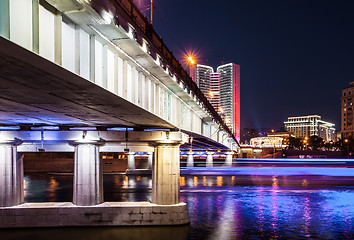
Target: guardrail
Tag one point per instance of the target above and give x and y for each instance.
(146, 28)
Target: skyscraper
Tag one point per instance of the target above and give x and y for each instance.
(203, 79)
(347, 112)
(222, 88)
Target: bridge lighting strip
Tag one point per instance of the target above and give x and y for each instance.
(295, 160)
(147, 72)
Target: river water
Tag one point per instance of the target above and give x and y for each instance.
(220, 207)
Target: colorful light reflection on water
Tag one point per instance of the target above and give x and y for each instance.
(245, 206)
(272, 210)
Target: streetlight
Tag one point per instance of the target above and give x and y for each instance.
(274, 141)
(305, 142)
(191, 62)
(346, 141)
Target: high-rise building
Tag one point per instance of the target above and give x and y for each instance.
(230, 95)
(307, 126)
(222, 88)
(347, 112)
(203, 79)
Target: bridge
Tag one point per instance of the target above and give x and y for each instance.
(91, 76)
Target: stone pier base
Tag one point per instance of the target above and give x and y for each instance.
(105, 214)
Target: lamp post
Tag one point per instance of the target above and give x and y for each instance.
(346, 142)
(191, 62)
(305, 142)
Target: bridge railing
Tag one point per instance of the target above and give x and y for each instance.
(140, 21)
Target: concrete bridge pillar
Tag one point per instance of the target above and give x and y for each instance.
(11, 174)
(150, 157)
(190, 160)
(131, 161)
(88, 178)
(228, 159)
(165, 174)
(209, 159)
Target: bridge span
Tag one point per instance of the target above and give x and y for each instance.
(76, 75)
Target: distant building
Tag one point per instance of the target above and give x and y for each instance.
(284, 135)
(222, 88)
(307, 126)
(267, 142)
(347, 112)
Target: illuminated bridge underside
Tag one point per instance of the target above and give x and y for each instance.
(34, 90)
(37, 91)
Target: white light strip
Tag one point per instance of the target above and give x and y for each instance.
(147, 72)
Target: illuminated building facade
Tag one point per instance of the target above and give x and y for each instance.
(347, 112)
(284, 135)
(214, 92)
(203, 79)
(222, 88)
(307, 126)
(267, 142)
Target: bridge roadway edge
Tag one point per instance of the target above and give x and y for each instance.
(66, 214)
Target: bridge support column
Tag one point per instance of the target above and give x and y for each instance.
(11, 174)
(165, 174)
(131, 161)
(190, 160)
(209, 159)
(228, 159)
(150, 157)
(88, 178)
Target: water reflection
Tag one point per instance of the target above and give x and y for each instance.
(227, 226)
(260, 212)
(306, 217)
(276, 207)
(219, 181)
(182, 181)
(121, 188)
(52, 187)
(222, 207)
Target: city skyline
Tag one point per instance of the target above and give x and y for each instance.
(291, 53)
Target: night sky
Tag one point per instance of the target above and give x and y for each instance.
(295, 56)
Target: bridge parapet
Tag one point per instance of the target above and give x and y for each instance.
(124, 25)
(111, 44)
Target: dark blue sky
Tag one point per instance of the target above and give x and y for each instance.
(295, 56)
